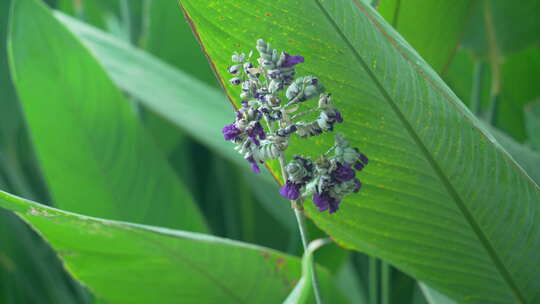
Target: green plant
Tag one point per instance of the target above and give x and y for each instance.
(111, 115)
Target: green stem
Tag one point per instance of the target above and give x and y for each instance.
(304, 113)
(494, 62)
(373, 281)
(476, 93)
(396, 14)
(493, 109)
(126, 19)
(301, 220)
(385, 283)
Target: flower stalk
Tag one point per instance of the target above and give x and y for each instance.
(301, 221)
(270, 92)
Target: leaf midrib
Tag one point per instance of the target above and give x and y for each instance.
(444, 180)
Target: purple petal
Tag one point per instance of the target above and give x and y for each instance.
(255, 133)
(357, 185)
(325, 201)
(363, 158)
(334, 205)
(290, 190)
(255, 168)
(358, 166)
(239, 113)
(254, 165)
(231, 132)
(339, 118)
(291, 60)
(343, 173)
(321, 201)
(235, 81)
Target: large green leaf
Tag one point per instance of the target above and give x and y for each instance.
(441, 200)
(96, 157)
(129, 263)
(194, 106)
(198, 109)
(29, 270)
(434, 28)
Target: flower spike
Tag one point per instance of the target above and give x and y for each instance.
(271, 97)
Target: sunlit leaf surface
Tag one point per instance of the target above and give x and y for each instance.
(441, 200)
(96, 157)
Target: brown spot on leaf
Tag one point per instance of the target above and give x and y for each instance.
(279, 263)
(268, 15)
(265, 255)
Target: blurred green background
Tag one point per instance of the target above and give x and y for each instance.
(234, 205)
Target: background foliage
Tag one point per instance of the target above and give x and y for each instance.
(111, 113)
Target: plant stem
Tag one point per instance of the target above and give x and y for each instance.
(304, 113)
(494, 61)
(301, 220)
(373, 281)
(126, 19)
(476, 94)
(396, 14)
(493, 109)
(385, 283)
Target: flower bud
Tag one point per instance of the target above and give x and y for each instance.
(238, 57)
(235, 81)
(234, 69)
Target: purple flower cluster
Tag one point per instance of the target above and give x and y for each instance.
(341, 181)
(291, 61)
(231, 133)
(247, 131)
(325, 201)
(263, 87)
(328, 180)
(256, 133)
(290, 190)
(343, 173)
